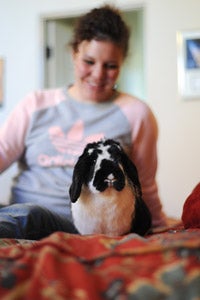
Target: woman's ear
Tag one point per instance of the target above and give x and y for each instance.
(74, 53)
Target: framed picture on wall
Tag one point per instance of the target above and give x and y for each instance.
(189, 64)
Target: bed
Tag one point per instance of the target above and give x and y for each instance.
(163, 265)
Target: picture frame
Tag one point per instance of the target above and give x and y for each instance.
(188, 43)
(1, 80)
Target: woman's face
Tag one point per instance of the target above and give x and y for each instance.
(96, 66)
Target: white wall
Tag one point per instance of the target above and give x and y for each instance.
(179, 121)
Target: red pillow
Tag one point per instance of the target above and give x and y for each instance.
(191, 209)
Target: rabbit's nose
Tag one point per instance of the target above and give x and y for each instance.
(110, 179)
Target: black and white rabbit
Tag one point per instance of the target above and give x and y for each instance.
(106, 194)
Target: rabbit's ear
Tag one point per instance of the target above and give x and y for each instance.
(142, 221)
(79, 177)
(131, 172)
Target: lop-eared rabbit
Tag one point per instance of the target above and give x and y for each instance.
(106, 193)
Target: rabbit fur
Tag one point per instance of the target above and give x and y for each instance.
(106, 194)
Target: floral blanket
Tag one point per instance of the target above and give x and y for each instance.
(65, 266)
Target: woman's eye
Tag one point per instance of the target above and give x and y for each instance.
(88, 62)
(111, 66)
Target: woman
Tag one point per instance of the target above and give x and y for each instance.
(51, 128)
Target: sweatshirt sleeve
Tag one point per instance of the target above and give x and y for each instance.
(13, 133)
(145, 157)
(144, 132)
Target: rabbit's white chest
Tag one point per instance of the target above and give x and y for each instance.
(109, 212)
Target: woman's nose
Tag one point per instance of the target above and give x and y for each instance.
(98, 71)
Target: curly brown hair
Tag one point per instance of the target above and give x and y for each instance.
(104, 23)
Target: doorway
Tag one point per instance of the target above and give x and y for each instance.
(58, 69)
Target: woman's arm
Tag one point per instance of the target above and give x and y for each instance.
(144, 154)
(12, 134)
(144, 134)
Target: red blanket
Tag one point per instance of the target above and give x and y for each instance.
(64, 266)
(191, 209)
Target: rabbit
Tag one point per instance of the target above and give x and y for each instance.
(105, 193)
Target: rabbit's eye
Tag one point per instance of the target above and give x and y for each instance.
(99, 151)
(94, 156)
(114, 150)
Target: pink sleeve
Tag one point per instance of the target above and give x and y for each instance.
(13, 132)
(145, 157)
(144, 154)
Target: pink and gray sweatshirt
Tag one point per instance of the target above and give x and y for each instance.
(47, 132)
